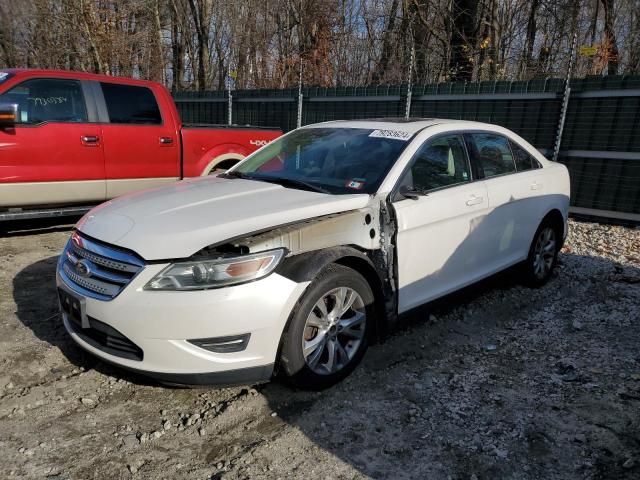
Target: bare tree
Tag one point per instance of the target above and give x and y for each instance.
(195, 44)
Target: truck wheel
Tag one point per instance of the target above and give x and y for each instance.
(327, 335)
(543, 255)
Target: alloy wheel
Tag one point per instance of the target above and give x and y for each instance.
(544, 253)
(334, 330)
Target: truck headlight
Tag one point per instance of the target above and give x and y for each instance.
(213, 273)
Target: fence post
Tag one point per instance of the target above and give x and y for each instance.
(299, 120)
(407, 108)
(230, 99)
(565, 99)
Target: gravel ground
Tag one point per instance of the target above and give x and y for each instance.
(498, 381)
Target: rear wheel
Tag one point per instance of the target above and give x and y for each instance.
(543, 255)
(327, 335)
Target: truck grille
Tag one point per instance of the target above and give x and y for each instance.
(96, 270)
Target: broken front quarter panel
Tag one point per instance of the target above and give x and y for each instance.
(362, 239)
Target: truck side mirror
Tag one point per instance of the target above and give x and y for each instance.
(8, 114)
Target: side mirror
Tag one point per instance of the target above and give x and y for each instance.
(8, 114)
(410, 192)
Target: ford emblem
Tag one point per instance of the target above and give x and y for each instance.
(83, 268)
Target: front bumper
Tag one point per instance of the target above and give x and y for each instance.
(160, 323)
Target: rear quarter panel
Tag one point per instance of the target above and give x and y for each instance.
(202, 146)
(557, 188)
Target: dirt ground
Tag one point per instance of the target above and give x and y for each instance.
(498, 381)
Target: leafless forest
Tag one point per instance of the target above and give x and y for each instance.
(199, 44)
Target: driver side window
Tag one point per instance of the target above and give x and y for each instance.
(439, 163)
(47, 100)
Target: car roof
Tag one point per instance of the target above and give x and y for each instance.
(409, 125)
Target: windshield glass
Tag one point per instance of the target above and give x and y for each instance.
(333, 160)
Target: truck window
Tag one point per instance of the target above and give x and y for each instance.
(47, 100)
(4, 76)
(131, 105)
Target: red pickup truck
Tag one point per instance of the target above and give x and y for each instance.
(69, 140)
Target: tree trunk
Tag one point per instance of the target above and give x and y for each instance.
(527, 64)
(177, 50)
(200, 20)
(611, 49)
(387, 47)
(463, 39)
(88, 30)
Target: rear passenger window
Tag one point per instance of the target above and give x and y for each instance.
(524, 161)
(439, 163)
(47, 100)
(494, 154)
(131, 105)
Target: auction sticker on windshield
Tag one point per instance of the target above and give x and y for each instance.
(3, 76)
(355, 183)
(393, 134)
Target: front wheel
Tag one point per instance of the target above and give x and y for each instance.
(327, 335)
(543, 255)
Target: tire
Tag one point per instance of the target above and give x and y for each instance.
(312, 335)
(543, 255)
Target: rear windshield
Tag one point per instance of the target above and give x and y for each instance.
(335, 160)
(4, 76)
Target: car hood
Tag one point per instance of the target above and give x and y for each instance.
(177, 220)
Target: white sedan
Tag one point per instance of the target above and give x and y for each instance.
(300, 256)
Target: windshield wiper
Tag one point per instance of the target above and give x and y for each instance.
(291, 182)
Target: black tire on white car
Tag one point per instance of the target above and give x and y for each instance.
(328, 332)
(543, 254)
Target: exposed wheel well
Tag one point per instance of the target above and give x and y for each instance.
(555, 218)
(307, 266)
(226, 164)
(222, 162)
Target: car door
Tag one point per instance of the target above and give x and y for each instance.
(512, 213)
(141, 147)
(441, 233)
(530, 185)
(53, 154)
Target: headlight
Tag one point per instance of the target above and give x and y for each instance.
(219, 272)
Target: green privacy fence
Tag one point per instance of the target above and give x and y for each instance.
(600, 143)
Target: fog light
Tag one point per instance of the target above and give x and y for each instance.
(235, 343)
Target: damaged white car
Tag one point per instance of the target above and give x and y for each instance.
(308, 250)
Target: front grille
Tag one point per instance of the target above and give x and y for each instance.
(96, 270)
(105, 338)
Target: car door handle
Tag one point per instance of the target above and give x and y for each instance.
(535, 186)
(474, 200)
(166, 140)
(90, 140)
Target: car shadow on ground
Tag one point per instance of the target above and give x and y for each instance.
(36, 299)
(21, 228)
(504, 390)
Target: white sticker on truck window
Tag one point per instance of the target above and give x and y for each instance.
(393, 134)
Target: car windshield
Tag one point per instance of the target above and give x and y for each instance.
(330, 160)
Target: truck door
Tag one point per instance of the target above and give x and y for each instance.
(54, 153)
(141, 145)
